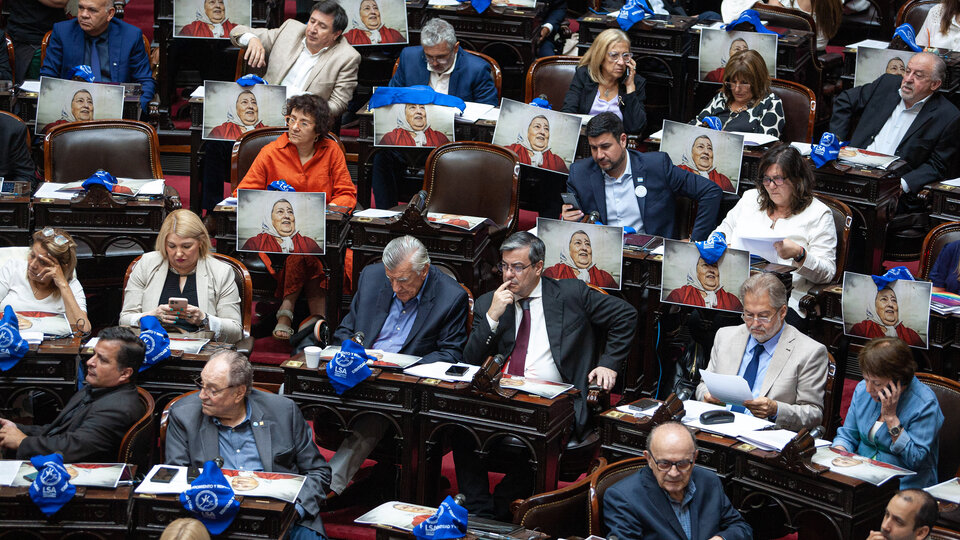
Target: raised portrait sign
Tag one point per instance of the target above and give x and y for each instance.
(209, 19)
(61, 101)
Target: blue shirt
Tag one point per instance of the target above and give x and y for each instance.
(944, 271)
(399, 322)
(769, 347)
(682, 508)
(238, 448)
(623, 209)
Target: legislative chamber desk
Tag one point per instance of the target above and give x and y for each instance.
(92, 513)
(389, 533)
(825, 506)
(944, 202)
(15, 214)
(46, 375)
(258, 518)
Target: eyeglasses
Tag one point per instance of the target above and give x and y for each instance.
(438, 58)
(735, 84)
(614, 56)
(747, 317)
(302, 122)
(59, 239)
(775, 180)
(516, 268)
(664, 465)
(210, 392)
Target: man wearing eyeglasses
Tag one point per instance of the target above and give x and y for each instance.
(547, 329)
(786, 370)
(671, 498)
(905, 117)
(92, 424)
(251, 430)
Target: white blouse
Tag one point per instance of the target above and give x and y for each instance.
(929, 34)
(812, 228)
(15, 291)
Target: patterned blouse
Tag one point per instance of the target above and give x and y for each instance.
(765, 117)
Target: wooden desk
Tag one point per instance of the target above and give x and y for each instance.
(258, 518)
(825, 506)
(47, 375)
(389, 533)
(15, 216)
(92, 513)
(944, 202)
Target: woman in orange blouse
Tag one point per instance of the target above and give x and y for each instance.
(307, 161)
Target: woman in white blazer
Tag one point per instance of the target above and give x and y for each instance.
(183, 267)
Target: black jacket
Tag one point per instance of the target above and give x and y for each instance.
(583, 91)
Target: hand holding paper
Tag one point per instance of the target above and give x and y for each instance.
(731, 389)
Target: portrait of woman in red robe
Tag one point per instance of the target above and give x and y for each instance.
(706, 291)
(533, 147)
(413, 129)
(279, 233)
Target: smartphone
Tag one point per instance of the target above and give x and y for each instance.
(164, 475)
(571, 199)
(456, 371)
(643, 404)
(177, 304)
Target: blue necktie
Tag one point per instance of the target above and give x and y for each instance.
(95, 59)
(750, 374)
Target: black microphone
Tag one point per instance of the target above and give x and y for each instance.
(358, 337)
(816, 432)
(419, 201)
(459, 498)
(219, 461)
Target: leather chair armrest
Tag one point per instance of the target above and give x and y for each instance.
(245, 346)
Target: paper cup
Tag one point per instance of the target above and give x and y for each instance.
(312, 355)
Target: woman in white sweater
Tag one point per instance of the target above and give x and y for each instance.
(941, 28)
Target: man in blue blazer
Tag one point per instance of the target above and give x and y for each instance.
(638, 192)
(95, 37)
(671, 497)
(401, 306)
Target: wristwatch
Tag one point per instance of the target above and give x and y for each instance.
(896, 430)
(205, 323)
(803, 253)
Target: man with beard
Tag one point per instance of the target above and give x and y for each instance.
(218, 25)
(910, 515)
(580, 264)
(248, 118)
(534, 149)
(786, 370)
(373, 31)
(701, 156)
(413, 129)
(707, 292)
(638, 192)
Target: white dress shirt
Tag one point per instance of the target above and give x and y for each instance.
(623, 209)
(539, 363)
(441, 81)
(892, 132)
(929, 34)
(295, 79)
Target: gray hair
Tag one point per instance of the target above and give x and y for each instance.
(523, 239)
(673, 425)
(241, 370)
(406, 248)
(765, 282)
(437, 31)
(939, 68)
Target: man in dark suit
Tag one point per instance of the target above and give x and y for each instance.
(15, 161)
(402, 306)
(671, 497)
(905, 117)
(550, 329)
(92, 424)
(112, 48)
(250, 430)
(638, 192)
(550, 29)
(440, 63)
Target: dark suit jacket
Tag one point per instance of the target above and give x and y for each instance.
(90, 427)
(15, 161)
(470, 80)
(575, 315)
(128, 60)
(284, 441)
(663, 181)
(637, 507)
(440, 329)
(929, 146)
(583, 92)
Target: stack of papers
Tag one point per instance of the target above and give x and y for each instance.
(282, 486)
(946, 491)
(761, 246)
(384, 359)
(774, 439)
(396, 514)
(537, 387)
(945, 303)
(102, 475)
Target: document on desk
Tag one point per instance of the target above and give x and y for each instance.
(396, 514)
(856, 466)
(376, 213)
(103, 475)
(761, 246)
(537, 387)
(731, 389)
(437, 370)
(177, 484)
(742, 423)
(946, 491)
(474, 111)
(8, 471)
(774, 439)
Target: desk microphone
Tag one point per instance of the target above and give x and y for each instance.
(459, 498)
(594, 217)
(219, 461)
(358, 337)
(816, 432)
(419, 201)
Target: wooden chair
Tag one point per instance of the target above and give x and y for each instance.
(842, 221)
(915, 12)
(124, 148)
(46, 41)
(551, 76)
(933, 244)
(948, 394)
(137, 443)
(799, 110)
(244, 286)
(602, 479)
(474, 179)
(495, 72)
(562, 512)
(940, 533)
(247, 147)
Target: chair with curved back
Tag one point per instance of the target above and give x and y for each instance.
(550, 76)
(933, 244)
(474, 179)
(124, 148)
(247, 147)
(842, 221)
(799, 110)
(495, 72)
(939, 533)
(915, 13)
(948, 394)
(137, 443)
(602, 479)
(562, 512)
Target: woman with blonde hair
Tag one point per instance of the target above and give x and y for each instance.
(182, 266)
(607, 80)
(45, 280)
(185, 529)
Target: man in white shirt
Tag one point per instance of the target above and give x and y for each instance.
(905, 117)
(547, 329)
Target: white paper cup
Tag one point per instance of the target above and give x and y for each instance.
(312, 355)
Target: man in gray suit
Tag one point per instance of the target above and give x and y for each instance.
(251, 430)
(785, 369)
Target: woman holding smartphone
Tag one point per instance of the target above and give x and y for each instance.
(893, 417)
(183, 285)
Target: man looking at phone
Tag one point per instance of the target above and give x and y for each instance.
(92, 424)
(547, 329)
(402, 306)
(632, 189)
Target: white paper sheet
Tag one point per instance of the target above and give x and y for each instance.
(732, 389)
(774, 439)
(50, 190)
(177, 485)
(954, 182)
(376, 213)
(198, 93)
(32, 337)
(399, 360)
(742, 423)
(474, 111)
(8, 471)
(492, 115)
(761, 246)
(802, 147)
(756, 139)
(30, 86)
(437, 370)
(872, 43)
(946, 491)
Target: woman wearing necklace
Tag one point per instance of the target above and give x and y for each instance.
(41, 283)
(607, 80)
(745, 102)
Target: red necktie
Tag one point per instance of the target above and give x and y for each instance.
(518, 357)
